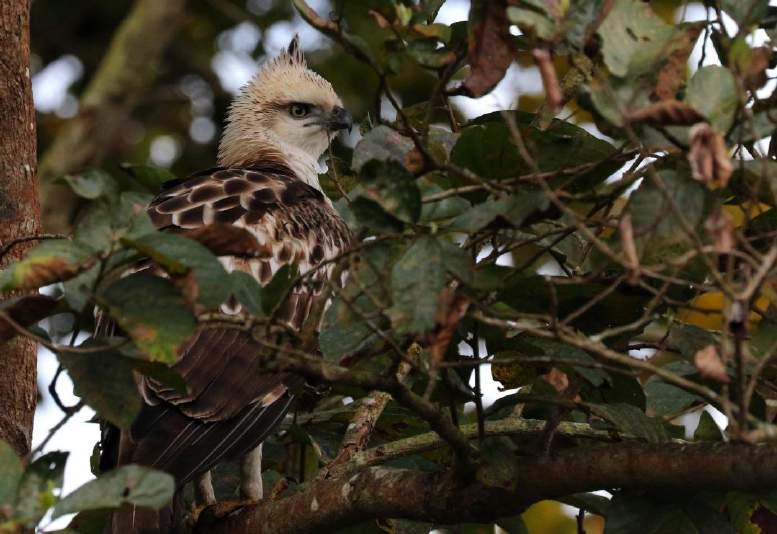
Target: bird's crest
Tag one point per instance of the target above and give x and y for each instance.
(252, 120)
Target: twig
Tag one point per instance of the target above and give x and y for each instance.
(358, 432)
(70, 412)
(503, 427)
(8, 246)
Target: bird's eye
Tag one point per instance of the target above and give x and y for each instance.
(298, 110)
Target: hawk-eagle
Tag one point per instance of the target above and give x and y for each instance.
(267, 182)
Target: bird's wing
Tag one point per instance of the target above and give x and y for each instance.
(230, 406)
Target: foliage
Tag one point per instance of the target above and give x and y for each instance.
(516, 238)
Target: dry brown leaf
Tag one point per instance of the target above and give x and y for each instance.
(414, 162)
(720, 227)
(629, 248)
(25, 312)
(490, 52)
(709, 364)
(708, 156)
(558, 379)
(673, 72)
(380, 20)
(452, 308)
(667, 113)
(553, 94)
(228, 240)
(755, 75)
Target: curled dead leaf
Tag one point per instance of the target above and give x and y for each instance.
(379, 19)
(721, 229)
(558, 379)
(666, 113)
(754, 73)
(414, 161)
(709, 364)
(553, 94)
(490, 51)
(629, 248)
(673, 72)
(708, 156)
(452, 308)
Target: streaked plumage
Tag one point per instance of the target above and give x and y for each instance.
(268, 183)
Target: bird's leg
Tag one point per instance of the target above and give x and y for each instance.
(251, 475)
(203, 490)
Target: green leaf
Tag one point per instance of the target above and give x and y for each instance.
(39, 487)
(745, 12)
(365, 213)
(579, 20)
(666, 399)
(565, 354)
(152, 312)
(634, 38)
(688, 340)
(441, 32)
(79, 289)
(92, 184)
(247, 291)
(417, 280)
(512, 210)
(104, 380)
(148, 177)
(486, 147)
(708, 429)
(128, 484)
(427, 54)
(173, 252)
(105, 221)
(10, 473)
(632, 420)
(535, 294)
(445, 208)
(381, 144)
(530, 21)
(349, 321)
(275, 292)
(51, 261)
(393, 189)
(657, 228)
(713, 92)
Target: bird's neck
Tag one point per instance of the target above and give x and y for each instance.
(246, 152)
(305, 166)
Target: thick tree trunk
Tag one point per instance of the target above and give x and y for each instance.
(19, 210)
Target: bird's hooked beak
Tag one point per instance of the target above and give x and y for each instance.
(339, 119)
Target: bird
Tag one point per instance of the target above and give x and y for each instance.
(267, 181)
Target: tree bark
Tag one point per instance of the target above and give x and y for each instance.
(129, 69)
(511, 485)
(19, 211)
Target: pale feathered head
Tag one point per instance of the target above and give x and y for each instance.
(285, 109)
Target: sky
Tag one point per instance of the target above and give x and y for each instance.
(234, 66)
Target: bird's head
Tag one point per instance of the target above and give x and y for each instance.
(286, 107)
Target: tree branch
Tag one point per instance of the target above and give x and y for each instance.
(444, 498)
(504, 427)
